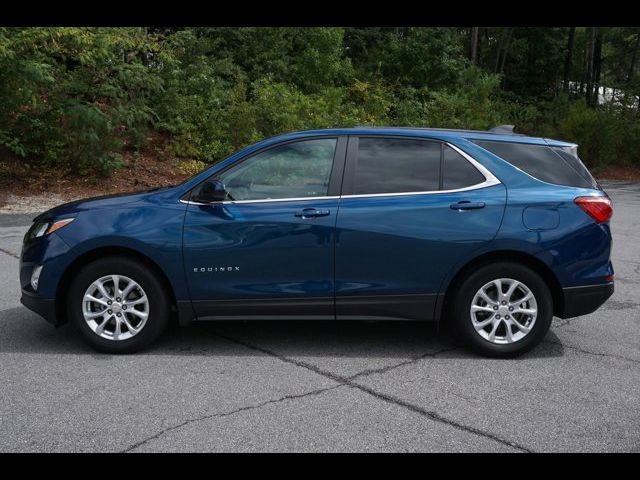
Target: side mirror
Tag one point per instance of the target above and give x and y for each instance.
(211, 191)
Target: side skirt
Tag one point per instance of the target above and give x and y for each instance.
(387, 307)
(421, 307)
(307, 308)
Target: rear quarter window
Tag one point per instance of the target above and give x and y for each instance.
(457, 172)
(548, 164)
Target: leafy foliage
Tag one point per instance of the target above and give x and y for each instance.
(76, 95)
(81, 97)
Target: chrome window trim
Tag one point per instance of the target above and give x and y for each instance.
(490, 180)
(263, 200)
(477, 186)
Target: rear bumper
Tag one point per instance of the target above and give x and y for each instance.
(45, 307)
(583, 300)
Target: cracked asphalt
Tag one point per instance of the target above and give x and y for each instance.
(326, 386)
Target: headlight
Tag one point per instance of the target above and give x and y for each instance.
(39, 229)
(57, 225)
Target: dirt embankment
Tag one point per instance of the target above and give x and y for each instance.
(27, 189)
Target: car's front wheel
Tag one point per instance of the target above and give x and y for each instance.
(503, 309)
(118, 304)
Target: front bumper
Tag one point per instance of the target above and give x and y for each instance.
(45, 307)
(50, 252)
(583, 300)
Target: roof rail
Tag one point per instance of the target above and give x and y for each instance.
(503, 129)
(420, 128)
(500, 129)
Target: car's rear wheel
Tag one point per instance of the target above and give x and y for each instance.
(502, 310)
(118, 304)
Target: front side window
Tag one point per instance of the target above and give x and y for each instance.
(393, 165)
(294, 170)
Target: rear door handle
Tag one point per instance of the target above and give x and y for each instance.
(467, 205)
(311, 213)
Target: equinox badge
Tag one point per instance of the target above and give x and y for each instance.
(216, 269)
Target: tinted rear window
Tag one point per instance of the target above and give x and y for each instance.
(390, 165)
(577, 165)
(543, 163)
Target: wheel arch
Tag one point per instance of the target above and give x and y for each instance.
(101, 252)
(515, 256)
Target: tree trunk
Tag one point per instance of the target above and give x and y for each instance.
(597, 64)
(590, 47)
(505, 49)
(499, 51)
(632, 65)
(474, 45)
(568, 59)
(486, 41)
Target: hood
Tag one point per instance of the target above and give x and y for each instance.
(93, 203)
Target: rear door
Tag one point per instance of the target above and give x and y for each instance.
(410, 210)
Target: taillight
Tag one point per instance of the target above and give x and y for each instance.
(598, 208)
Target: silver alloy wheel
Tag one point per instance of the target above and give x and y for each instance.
(503, 311)
(115, 307)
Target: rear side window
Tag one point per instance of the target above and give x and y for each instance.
(393, 165)
(457, 171)
(577, 165)
(542, 162)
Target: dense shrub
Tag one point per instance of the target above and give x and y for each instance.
(77, 95)
(606, 135)
(82, 97)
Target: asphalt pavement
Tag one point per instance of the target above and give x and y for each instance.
(325, 386)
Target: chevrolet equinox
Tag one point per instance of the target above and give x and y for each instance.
(491, 232)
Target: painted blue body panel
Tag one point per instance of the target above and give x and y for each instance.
(393, 245)
(406, 244)
(261, 250)
(578, 251)
(147, 223)
(50, 251)
(541, 217)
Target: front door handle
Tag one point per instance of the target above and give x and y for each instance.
(311, 213)
(466, 205)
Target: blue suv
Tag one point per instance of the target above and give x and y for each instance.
(491, 232)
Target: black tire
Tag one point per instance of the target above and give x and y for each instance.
(463, 297)
(158, 311)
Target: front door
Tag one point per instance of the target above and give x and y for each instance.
(267, 251)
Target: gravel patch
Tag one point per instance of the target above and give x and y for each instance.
(19, 204)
